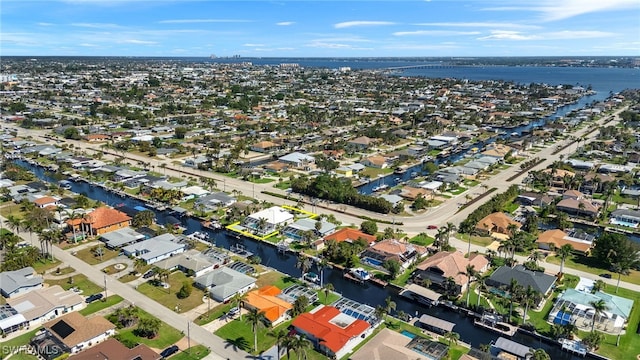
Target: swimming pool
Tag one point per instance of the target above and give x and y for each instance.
(408, 334)
(373, 262)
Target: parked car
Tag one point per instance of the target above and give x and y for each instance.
(149, 274)
(606, 275)
(93, 298)
(169, 351)
(432, 227)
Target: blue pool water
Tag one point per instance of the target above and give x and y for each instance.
(373, 262)
(408, 334)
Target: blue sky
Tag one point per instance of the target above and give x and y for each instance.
(320, 28)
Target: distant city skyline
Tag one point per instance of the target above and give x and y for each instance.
(327, 28)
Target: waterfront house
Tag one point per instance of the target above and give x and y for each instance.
(539, 281)
(556, 238)
(45, 201)
(121, 237)
(71, 333)
(266, 300)
(18, 282)
(331, 332)
(350, 235)
(388, 344)
(223, 283)
(376, 161)
(101, 221)
(497, 225)
(45, 304)
(625, 217)
(574, 203)
(155, 249)
(214, 201)
(112, 349)
(390, 249)
(297, 229)
(577, 304)
(268, 220)
(450, 265)
(191, 262)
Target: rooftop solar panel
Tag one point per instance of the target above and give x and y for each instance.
(62, 329)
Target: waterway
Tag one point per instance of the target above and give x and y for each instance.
(367, 294)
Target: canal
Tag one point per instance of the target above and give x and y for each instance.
(286, 263)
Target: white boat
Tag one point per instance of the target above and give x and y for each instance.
(380, 187)
(65, 184)
(311, 277)
(360, 273)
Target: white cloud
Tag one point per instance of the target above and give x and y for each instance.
(45, 24)
(348, 24)
(555, 35)
(199, 21)
(89, 45)
(342, 39)
(285, 23)
(481, 25)
(97, 25)
(435, 33)
(553, 10)
(138, 42)
(253, 45)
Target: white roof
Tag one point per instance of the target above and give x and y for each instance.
(273, 215)
(433, 185)
(194, 190)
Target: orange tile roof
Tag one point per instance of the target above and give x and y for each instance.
(497, 222)
(558, 238)
(265, 300)
(349, 234)
(44, 200)
(318, 325)
(104, 216)
(454, 264)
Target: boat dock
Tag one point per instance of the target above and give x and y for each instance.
(352, 278)
(491, 322)
(378, 282)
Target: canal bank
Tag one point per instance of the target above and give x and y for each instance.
(366, 293)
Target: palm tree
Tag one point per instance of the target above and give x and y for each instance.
(470, 273)
(513, 289)
(322, 264)
(300, 344)
(535, 256)
(482, 285)
(599, 307)
(598, 285)
(538, 354)
(303, 263)
(563, 252)
(256, 319)
(280, 335)
(328, 288)
(14, 223)
(237, 299)
(451, 337)
(530, 297)
(389, 305)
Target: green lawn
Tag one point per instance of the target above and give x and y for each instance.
(262, 180)
(478, 240)
(309, 354)
(45, 264)
(473, 298)
(422, 240)
(169, 298)
(471, 183)
(166, 335)
(284, 185)
(23, 356)
(458, 190)
(374, 172)
(239, 333)
(511, 207)
(6, 346)
(195, 353)
(455, 351)
(80, 281)
(87, 256)
(629, 345)
(213, 314)
(331, 298)
(402, 279)
(276, 279)
(99, 305)
(593, 266)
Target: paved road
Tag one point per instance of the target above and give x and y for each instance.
(198, 334)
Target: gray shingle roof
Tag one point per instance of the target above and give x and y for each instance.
(10, 281)
(537, 280)
(224, 282)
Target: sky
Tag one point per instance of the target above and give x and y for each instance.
(320, 28)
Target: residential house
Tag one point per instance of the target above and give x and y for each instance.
(96, 138)
(556, 238)
(264, 146)
(101, 221)
(215, 201)
(376, 161)
(580, 310)
(45, 304)
(558, 176)
(112, 349)
(625, 217)
(574, 203)
(534, 199)
(71, 333)
(386, 345)
(499, 151)
(360, 143)
(332, 332)
(155, 249)
(497, 225)
(391, 249)
(191, 262)
(45, 201)
(10, 320)
(297, 229)
(121, 237)
(350, 235)
(450, 265)
(266, 300)
(268, 220)
(223, 283)
(297, 160)
(18, 282)
(539, 281)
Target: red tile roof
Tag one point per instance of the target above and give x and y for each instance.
(318, 325)
(104, 216)
(44, 200)
(350, 234)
